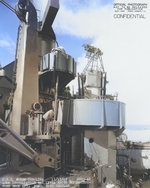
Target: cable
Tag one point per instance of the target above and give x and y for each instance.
(13, 10)
(7, 5)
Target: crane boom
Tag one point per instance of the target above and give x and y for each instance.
(11, 140)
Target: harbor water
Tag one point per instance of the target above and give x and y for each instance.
(138, 133)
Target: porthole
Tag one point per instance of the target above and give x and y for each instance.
(91, 140)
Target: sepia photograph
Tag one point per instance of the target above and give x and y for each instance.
(74, 93)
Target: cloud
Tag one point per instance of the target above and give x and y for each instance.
(7, 43)
(84, 4)
(40, 6)
(86, 23)
(125, 43)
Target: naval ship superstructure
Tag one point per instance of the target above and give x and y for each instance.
(63, 136)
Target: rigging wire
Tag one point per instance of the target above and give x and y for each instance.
(13, 10)
(8, 6)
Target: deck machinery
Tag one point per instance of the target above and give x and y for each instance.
(71, 137)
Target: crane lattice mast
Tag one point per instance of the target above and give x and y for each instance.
(94, 56)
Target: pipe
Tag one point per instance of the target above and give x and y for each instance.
(56, 95)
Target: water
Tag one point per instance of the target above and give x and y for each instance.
(138, 133)
(138, 127)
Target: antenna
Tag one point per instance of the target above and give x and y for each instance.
(94, 56)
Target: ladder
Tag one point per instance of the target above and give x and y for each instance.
(58, 154)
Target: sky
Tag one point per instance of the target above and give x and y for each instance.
(125, 43)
